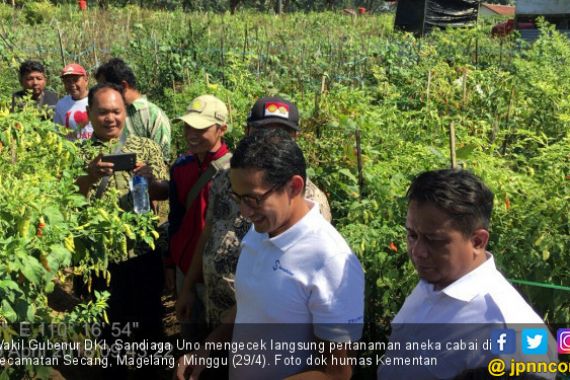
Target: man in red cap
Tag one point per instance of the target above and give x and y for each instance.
(71, 110)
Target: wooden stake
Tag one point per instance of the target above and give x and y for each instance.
(359, 164)
(464, 87)
(452, 146)
(507, 118)
(428, 89)
(61, 49)
(245, 44)
(230, 112)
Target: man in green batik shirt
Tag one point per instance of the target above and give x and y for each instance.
(108, 112)
(144, 118)
(136, 278)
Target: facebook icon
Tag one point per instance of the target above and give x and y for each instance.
(503, 341)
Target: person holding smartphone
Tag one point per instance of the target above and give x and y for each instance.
(137, 279)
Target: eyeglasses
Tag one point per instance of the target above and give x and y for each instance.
(253, 201)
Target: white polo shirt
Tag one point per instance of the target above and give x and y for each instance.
(468, 309)
(481, 296)
(306, 279)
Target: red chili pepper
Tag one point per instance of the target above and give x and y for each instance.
(393, 247)
(507, 203)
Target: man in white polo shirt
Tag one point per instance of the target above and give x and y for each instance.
(461, 296)
(297, 281)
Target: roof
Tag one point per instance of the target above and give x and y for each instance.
(543, 7)
(503, 10)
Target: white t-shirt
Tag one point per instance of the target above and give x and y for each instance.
(303, 283)
(73, 115)
(469, 309)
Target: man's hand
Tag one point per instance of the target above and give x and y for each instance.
(184, 304)
(157, 190)
(143, 170)
(97, 169)
(185, 368)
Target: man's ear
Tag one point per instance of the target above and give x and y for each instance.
(223, 128)
(125, 85)
(480, 239)
(297, 185)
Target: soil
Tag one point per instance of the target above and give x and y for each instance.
(62, 300)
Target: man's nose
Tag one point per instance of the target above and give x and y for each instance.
(245, 210)
(419, 249)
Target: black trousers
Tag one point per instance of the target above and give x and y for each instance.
(135, 298)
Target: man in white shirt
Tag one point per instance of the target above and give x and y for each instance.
(461, 297)
(297, 281)
(71, 110)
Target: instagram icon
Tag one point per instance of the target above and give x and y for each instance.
(563, 339)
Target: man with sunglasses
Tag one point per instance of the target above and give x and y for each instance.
(297, 281)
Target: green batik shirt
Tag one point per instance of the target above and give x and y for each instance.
(147, 151)
(146, 119)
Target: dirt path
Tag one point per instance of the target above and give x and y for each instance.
(62, 300)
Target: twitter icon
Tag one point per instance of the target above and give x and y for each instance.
(534, 341)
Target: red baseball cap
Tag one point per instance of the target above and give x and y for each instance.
(73, 69)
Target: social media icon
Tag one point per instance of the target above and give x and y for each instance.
(534, 341)
(503, 341)
(563, 340)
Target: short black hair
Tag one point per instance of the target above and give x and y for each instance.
(459, 193)
(30, 66)
(116, 71)
(274, 152)
(102, 86)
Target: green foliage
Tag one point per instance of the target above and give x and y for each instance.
(37, 12)
(46, 226)
(509, 106)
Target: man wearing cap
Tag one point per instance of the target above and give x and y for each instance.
(204, 127)
(71, 110)
(218, 249)
(144, 118)
(276, 112)
(296, 281)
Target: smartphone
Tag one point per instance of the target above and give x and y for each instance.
(121, 161)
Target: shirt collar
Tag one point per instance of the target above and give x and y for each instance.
(287, 239)
(473, 283)
(139, 103)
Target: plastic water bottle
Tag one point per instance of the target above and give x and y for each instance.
(139, 192)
